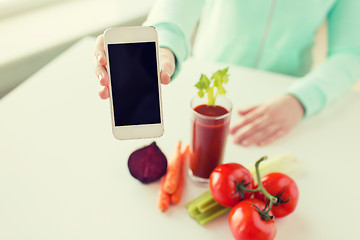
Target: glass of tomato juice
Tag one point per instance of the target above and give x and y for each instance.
(210, 127)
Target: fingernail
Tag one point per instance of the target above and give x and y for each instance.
(165, 80)
(237, 141)
(101, 94)
(100, 76)
(99, 57)
(245, 142)
(167, 74)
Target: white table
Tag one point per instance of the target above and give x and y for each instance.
(64, 176)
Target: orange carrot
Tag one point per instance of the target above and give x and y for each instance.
(163, 197)
(176, 196)
(172, 176)
(186, 154)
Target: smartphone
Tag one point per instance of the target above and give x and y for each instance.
(135, 89)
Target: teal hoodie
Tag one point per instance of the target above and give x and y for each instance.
(271, 35)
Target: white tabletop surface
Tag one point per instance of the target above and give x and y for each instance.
(64, 176)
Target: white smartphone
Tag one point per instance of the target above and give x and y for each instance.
(135, 95)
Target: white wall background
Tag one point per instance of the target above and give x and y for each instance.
(39, 30)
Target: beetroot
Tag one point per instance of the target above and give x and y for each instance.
(147, 164)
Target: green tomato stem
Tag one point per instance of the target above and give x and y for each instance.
(261, 188)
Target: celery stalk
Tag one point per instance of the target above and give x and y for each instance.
(219, 211)
(207, 85)
(207, 205)
(192, 207)
(211, 214)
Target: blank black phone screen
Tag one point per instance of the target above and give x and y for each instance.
(134, 83)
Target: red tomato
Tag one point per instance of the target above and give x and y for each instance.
(284, 189)
(225, 181)
(246, 223)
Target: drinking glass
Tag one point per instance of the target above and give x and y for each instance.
(210, 128)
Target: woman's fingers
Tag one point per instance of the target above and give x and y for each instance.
(243, 112)
(261, 124)
(258, 136)
(104, 93)
(271, 137)
(102, 75)
(99, 53)
(100, 61)
(255, 114)
(100, 67)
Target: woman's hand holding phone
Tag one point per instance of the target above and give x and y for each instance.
(167, 66)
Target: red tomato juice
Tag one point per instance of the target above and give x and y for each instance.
(208, 139)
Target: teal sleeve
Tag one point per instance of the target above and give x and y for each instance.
(175, 21)
(341, 70)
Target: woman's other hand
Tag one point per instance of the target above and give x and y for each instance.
(264, 123)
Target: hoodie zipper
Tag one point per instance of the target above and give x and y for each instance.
(265, 34)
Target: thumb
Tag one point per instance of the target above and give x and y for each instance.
(164, 77)
(167, 65)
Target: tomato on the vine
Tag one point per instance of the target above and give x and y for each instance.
(246, 222)
(227, 182)
(284, 189)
